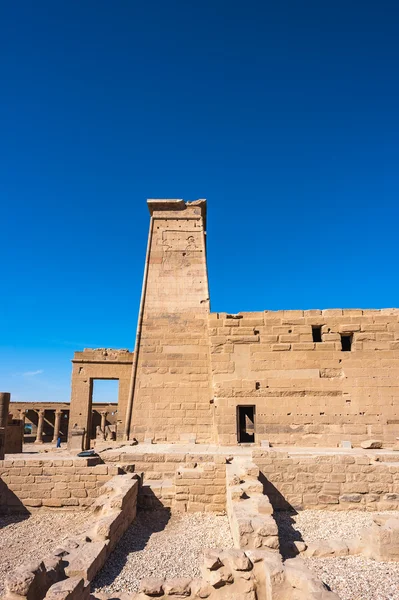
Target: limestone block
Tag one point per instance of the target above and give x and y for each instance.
(325, 548)
(73, 588)
(33, 581)
(264, 506)
(87, 560)
(236, 560)
(212, 559)
(350, 498)
(371, 444)
(306, 585)
(220, 577)
(179, 586)
(200, 588)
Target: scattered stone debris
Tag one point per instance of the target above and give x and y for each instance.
(371, 444)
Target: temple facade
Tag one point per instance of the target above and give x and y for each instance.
(291, 377)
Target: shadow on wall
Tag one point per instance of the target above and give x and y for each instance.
(277, 500)
(11, 504)
(135, 539)
(287, 533)
(283, 513)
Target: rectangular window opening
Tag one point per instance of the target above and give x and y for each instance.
(316, 333)
(346, 342)
(245, 424)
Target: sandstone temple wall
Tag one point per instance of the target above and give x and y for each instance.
(304, 392)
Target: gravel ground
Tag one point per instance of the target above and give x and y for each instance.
(352, 577)
(357, 578)
(312, 525)
(25, 540)
(160, 545)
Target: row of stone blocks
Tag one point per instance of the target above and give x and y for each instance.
(249, 510)
(51, 483)
(332, 480)
(182, 482)
(67, 573)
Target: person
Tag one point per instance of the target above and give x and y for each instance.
(58, 442)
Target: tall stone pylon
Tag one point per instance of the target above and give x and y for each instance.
(170, 398)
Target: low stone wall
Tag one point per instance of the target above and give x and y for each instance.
(67, 572)
(333, 481)
(234, 575)
(201, 487)
(27, 484)
(250, 512)
(182, 482)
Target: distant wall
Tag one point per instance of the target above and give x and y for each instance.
(307, 393)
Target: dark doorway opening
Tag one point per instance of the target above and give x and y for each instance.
(346, 343)
(316, 333)
(246, 424)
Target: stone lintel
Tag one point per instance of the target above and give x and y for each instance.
(103, 355)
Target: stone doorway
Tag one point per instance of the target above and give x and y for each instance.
(245, 424)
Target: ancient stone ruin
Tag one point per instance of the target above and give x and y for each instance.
(263, 420)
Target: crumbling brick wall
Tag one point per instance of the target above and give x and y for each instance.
(307, 393)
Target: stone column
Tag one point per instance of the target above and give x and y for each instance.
(4, 406)
(57, 423)
(40, 424)
(103, 420)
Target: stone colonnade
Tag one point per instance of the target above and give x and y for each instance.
(58, 413)
(40, 422)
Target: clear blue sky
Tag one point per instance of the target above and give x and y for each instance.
(284, 115)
